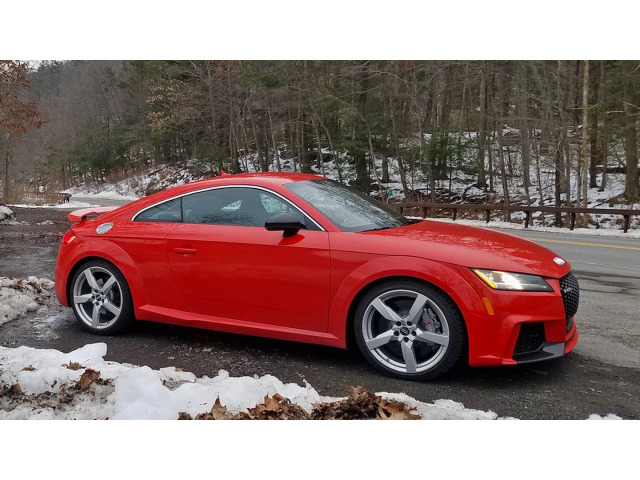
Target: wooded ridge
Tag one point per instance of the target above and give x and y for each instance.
(553, 129)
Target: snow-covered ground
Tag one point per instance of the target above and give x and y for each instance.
(6, 213)
(19, 296)
(129, 392)
(49, 384)
(604, 232)
(71, 204)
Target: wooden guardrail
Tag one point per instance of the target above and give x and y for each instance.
(63, 197)
(572, 211)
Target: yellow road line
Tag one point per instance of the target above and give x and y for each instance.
(582, 243)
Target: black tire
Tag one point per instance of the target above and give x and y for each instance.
(114, 305)
(433, 332)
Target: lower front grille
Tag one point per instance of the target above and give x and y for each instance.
(530, 338)
(570, 290)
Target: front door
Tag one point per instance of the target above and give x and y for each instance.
(227, 265)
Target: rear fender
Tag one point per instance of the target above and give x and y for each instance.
(104, 249)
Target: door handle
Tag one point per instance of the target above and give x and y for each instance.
(185, 251)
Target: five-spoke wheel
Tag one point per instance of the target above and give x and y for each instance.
(409, 329)
(100, 298)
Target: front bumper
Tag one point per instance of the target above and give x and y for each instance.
(540, 350)
(510, 327)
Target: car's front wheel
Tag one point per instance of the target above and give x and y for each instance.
(409, 330)
(100, 298)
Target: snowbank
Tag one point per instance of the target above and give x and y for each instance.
(603, 232)
(108, 194)
(6, 213)
(19, 296)
(49, 384)
(71, 204)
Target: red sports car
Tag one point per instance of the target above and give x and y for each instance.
(300, 257)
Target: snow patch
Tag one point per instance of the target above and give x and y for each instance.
(19, 296)
(6, 214)
(603, 232)
(71, 204)
(132, 392)
(610, 416)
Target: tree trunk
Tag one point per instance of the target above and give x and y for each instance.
(524, 130)
(596, 153)
(585, 135)
(482, 182)
(603, 135)
(273, 141)
(6, 176)
(213, 116)
(629, 119)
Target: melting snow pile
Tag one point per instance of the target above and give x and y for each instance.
(7, 216)
(19, 296)
(49, 384)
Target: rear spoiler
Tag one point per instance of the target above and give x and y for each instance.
(81, 215)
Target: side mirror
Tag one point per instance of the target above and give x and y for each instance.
(286, 222)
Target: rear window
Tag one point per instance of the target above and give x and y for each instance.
(169, 212)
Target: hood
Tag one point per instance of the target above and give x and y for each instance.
(458, 244)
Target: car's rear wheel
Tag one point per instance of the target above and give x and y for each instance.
(100, 298)
(409, 329)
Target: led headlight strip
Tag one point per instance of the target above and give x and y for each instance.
(499, 280)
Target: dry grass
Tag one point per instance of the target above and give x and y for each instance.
(29, 195)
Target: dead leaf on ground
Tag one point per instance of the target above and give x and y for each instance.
(361, 405)
(29, 368)
(218, 412)
(15, 388)
(275, 408)
(88, 377)
(73, 366)
(392, 410)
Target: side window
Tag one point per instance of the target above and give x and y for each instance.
(274, 205)
(169, 211)
(225, 206)
(239, 206)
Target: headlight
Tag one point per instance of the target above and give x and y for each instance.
(513, 281)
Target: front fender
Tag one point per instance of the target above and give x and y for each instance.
(347, 284)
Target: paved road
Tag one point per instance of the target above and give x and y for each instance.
(608, 269)
(602, 376)
(105, 202)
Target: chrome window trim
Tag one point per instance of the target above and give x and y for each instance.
(229, 186)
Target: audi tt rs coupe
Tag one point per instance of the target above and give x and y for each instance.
(304, 258)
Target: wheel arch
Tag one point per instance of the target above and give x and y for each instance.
(354, 286)
(112, 254)
(350, 334)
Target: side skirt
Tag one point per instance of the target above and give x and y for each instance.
(190, 319)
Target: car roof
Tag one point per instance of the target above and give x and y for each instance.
(261, 179)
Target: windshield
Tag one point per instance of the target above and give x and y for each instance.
(348, 209)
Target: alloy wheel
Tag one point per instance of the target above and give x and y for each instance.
(405, 331)
(97, 298)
